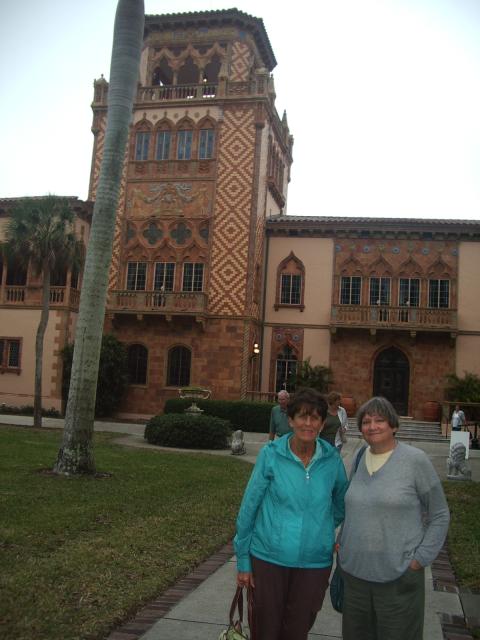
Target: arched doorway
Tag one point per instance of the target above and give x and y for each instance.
(391, 377)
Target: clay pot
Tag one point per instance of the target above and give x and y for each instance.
(432, 411)
(349, 404)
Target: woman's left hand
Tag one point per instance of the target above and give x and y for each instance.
(245, 579)
(415, 565)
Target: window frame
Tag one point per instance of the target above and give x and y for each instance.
(289, 351)
(206, 147)
(290, 290)
(136, 382)
(142, 145)
(178, 380)
(164, 147)
(6, 343)
(127, 275)
(408, 301)
(438, 294)
(379, 298)
(167, 266)
(184, 146)
(350, 289)
(193, 276)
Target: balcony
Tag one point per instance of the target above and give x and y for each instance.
(24, 296)
(155, 302)
(411, 319)
(177, 92)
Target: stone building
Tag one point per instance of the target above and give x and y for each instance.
(208, 161)
(20, 308)
(207, 265)
(390, 305)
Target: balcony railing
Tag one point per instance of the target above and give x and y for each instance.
(177, 92)
(32, 296)
(410, 318)
(157, 302)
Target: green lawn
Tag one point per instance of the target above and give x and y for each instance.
(464, 534)
(80, 555)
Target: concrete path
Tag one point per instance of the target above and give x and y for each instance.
(203, 613)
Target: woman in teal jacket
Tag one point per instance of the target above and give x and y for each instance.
(286, 524)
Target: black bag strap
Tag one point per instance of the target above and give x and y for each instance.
(236, 608)
(357, 460)
(237, 604)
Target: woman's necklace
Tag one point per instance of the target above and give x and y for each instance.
(305, 455)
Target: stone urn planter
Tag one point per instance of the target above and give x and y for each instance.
(349, 404)
(194, 393)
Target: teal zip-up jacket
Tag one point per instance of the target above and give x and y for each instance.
(289, 513)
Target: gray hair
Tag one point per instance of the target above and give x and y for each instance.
(378, 406)
(283, 392)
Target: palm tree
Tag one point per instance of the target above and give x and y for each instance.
(76, 452)
(40, 234)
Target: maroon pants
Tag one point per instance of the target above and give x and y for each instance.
(286, 600)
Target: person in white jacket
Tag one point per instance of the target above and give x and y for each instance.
(335, 426)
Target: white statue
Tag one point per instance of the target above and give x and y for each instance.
(238, 444)
(457, 467)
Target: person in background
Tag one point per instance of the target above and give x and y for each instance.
(458, 419)
(279, 424)
(396, 521)
(286, 523)
(335, 425)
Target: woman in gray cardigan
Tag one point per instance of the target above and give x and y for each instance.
(396, 521)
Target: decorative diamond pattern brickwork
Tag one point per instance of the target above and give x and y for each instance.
(229, 261)
(101, 122)
(115, 267)
(241, 61)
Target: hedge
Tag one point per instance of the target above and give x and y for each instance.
(244, 415)
(188, 432)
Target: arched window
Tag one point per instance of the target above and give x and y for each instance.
(162, 74)
(285, 369)
(178, 367)
(189, 73)
(137, 364)
(290, 283)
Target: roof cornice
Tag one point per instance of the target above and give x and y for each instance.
(216, 18)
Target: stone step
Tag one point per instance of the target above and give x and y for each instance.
(409, 430)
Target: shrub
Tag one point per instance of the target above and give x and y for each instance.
(27, 410)
(464, 390)
(244, 415)
(188, 432)
(112, 375)
(315, 377)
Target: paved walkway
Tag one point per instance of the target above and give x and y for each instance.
(196, 608)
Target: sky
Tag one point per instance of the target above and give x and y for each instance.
(382, 98)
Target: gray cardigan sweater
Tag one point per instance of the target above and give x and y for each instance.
(397, 514)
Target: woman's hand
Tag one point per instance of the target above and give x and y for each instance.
(415, 565)
(245, 579)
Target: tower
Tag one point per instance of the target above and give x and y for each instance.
(208, 160)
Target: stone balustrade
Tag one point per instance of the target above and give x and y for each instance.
(181, 303)
(410, 318)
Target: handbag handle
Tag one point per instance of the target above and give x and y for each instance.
(237, 604)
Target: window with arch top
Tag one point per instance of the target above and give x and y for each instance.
(290, 288)
(137, 358)
(178, 367)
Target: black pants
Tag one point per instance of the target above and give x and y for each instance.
(286, 600)
(384, 610)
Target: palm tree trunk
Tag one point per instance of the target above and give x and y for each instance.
(76, 453)
(42, 326)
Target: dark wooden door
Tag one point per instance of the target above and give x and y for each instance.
(391, 378)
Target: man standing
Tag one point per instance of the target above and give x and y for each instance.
(279, 425)
(458, 419)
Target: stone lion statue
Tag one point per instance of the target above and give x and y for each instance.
(238, 444)
(457, 467)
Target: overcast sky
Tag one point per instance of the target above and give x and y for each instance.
(382, 98)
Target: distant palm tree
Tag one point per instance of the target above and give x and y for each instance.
(76, 452)
(40, 233)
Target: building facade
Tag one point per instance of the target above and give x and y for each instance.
(20, 308)
(208, 160)
(206, 264)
